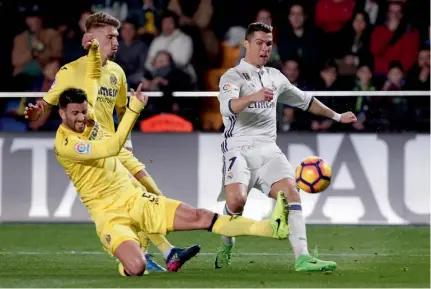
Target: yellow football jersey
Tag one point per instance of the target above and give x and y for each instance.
(111, 92)
(90, 159)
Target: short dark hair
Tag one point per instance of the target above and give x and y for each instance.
(101, 19)
(396, 64)
(72, 95)
(171, 14)
(256, 27)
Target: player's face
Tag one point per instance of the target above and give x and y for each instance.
(259, 48)
(75, 116)
(108, 40)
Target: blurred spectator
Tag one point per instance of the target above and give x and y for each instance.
(33, 49)
(331, 16)
(287, 116)
(328, 81)
(363, 82)
(197, 14)
(397, 108)
(395, 78)
(132, 53)
(178, 44)
(419, 76)
(375, 10)
(394, 41)
(264, 16)
(72, 36)
(357, 40)
(147, 18)
(166, 77)
(117, 8)
(298, 41)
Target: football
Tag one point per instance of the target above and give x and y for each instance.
(313, 175)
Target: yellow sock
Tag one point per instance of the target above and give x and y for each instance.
(151, 186)
(161, 243)
(240, 226)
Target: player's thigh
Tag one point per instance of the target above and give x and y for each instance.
(131, 257)
(153, 214)
(276, 175)
(131, 163)
(113, 228)
(236, 179)
(188, 218)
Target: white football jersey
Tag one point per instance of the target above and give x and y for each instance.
(257, 123)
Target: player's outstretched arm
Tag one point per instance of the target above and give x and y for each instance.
(293, 96)
(79, 150)
(318, 108)
(93, 71)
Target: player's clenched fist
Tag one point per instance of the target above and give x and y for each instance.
(348, 117)
(34, 111)
(139, 95)
(265, 94)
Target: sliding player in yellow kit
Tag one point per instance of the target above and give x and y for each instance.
(118, 207)
(112, 92)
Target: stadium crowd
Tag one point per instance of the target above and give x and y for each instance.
(186, 45)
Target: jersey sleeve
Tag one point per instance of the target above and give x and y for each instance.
(61, 82)
(122, 93)
(293, 96)
(77, 149)
(229, 89)
(93, 72)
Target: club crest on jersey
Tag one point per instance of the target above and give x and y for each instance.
(83, 148)
(108, 239)
(227, 87)
(113, 80)
(229, 175)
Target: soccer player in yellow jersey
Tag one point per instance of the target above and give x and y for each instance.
(111, 93)
(117, 206)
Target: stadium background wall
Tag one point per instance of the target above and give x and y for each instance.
(378, 178)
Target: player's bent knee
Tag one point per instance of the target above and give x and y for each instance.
(135, 266)
(288, 186)
(131, 256)
(236, 197)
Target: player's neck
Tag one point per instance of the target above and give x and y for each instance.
(249, 61)
(104, 61)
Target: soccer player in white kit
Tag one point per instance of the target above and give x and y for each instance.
(248, 96)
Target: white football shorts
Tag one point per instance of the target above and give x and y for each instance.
(255, 166)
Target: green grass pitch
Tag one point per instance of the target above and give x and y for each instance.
(62, 255)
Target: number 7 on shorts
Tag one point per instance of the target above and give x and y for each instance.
(232, 161)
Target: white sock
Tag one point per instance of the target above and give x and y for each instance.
(229, 241)
(166, 252)
(298, 235)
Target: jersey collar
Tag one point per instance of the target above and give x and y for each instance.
(244, 64)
